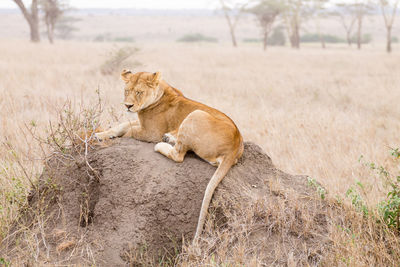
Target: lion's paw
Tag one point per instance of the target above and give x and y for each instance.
(163, 148)
(104, 136)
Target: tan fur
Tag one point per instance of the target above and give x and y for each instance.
(162, 110)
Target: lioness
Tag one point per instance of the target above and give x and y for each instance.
(166, 116)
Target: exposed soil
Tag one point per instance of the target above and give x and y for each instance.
(141, 200)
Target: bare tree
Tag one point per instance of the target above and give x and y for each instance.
(32, 17)
(389, 8)
(53, 10)
(266, 12)
(347, 19)
(232, 12)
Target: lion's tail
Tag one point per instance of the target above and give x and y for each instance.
(219, 174)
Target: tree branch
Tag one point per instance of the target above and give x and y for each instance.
(24, 11)
(394, 12)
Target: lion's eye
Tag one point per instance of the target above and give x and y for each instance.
(138, 93)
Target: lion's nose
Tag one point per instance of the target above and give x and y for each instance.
(128, 106)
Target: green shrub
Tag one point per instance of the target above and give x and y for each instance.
(125, 39)
(252, 40)
(102, 38)
(314, 184)
(353, 193)
(197, 37)
(277, 37)
(365, 39)
(315, 37)
(107, 37)
(395, 39)
(4, 263)
(389, 208)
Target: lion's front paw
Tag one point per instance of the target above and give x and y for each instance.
(104, 136)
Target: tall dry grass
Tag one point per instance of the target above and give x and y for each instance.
(313, 111)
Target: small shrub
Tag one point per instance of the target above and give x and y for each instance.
(116, 58)
(389, 208)
(365, 39)
(64, 27)
(197, 37)
(4, 263)
(125, 39)
(72, 135)
(395, 39)
(314, 184)
(277, 37)
(357, 200)
(252, 40)
(315, 37)
(106, 37)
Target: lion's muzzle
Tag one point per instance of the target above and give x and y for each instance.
(128, 106)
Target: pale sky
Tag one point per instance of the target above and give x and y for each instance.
(149, 4)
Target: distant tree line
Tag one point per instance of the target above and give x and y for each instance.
(291, 14)
(52, 13)
(294, 13)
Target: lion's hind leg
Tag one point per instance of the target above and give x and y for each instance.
(170, 137)
(176, 153)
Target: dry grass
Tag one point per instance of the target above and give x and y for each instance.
(313, 111)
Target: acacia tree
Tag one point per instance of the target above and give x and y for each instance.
(266, 12)
(292, 19)
(318, 11)
(389, 8)
(360, 9)
(232, 12)
(295, 13)
(32, 17)
(347, 19)
(53, 10)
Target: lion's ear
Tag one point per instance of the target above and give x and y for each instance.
(156, 77)
(126, 75)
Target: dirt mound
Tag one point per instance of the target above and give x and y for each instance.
(141, 201)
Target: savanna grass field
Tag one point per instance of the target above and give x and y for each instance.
(332, 114)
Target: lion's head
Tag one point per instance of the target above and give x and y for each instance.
(141, 89)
